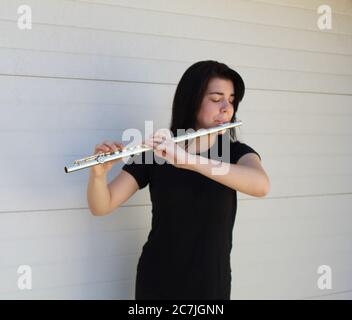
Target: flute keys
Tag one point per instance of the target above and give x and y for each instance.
(101, 159)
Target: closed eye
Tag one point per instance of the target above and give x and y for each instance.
(220, 100)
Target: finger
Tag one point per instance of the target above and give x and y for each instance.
(160, 146)
(120, 146)
(152, 142)
(158, 143)
(110, 147)
(113, 146)
(164, 132)
(161, 153)
(148, 142)
(106, 142)
(159, 139)
(160, 136)
(105, 146)
(99, 148)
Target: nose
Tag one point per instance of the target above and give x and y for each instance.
(226, 106)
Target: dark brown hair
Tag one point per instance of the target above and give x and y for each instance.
(191, 90)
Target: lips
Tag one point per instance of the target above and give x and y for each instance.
(220, 122)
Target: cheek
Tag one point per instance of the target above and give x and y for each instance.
(210, 108)
(208, 111)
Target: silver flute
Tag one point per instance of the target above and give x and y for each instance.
(128, 151)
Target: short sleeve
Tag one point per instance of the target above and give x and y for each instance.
(239, 149)
(139, 169)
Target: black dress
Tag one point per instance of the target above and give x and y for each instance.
(187, 254)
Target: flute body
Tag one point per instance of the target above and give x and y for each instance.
(109, 156)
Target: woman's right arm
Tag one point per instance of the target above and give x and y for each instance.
(102, 197)
(98, 195)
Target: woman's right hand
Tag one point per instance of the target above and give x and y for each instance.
(107, 146)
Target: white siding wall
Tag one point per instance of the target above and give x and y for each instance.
(90, 69)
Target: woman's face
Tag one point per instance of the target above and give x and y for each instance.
(217, 105)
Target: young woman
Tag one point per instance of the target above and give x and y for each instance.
(187, 254)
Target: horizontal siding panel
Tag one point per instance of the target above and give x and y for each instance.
(297, 124)
(20, 90)
(241, 10)
(69, 91)
(119, 290)
(323, 249)
(347, 295)
(287, 282)
(113, 66)
(309, 166)
(132, 45)
(306, 218)
(68, 222)
(83, 118)
(276, 102)
(53, 145)
(29, 62)
(299, 208)
(338, 6)
(71, 247)
(157, 72)
(85, 271)
(81, 15)
(55, 197)
(298, 145)
(318, 185)
(296, 81)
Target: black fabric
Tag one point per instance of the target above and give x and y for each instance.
(187, 254)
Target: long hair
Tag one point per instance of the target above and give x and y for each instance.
(191, 89)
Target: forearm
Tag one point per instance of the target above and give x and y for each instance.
(98, 195)
(237, 177)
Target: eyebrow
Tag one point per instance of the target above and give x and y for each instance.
(220, 93)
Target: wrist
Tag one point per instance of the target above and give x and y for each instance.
(191, 163)
(98, 176)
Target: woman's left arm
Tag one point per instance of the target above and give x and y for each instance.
(247, 176)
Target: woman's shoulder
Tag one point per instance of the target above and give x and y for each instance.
(240, 148)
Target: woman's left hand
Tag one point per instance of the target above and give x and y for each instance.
(165, 148)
